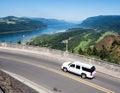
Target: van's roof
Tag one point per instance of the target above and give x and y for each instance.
(83, 64)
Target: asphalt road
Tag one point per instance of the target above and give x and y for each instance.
(46, 72)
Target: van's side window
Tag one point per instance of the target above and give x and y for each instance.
(77, 67)
(72, 65)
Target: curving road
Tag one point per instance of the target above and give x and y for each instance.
(46, 72)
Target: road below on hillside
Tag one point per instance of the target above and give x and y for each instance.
(46, 72)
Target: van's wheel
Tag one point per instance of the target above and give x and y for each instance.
(65, 69)
(83, 76)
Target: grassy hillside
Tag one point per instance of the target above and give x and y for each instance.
(11, 24)
(59, 38)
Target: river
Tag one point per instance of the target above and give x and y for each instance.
(27, 35)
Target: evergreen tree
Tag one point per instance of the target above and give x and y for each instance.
(80, 51)
(95, 52)
(88, 50)
(104, 53)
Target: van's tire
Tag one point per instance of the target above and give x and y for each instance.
(65, 69)
(83, 76)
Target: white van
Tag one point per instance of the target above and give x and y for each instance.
(79, 68)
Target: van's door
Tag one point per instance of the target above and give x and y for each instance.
(72, 68)
(78, 70)
(75, 69)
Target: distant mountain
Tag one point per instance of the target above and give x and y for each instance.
(102, 23)
(9, 18)
(12, 23)
(51, 21)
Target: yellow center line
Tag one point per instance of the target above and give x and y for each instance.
(65, 75)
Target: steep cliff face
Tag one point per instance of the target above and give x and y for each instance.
(111, 45)
(108, 42)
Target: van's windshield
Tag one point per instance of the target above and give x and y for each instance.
(92, 68)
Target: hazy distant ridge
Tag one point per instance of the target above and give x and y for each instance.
(102, 22)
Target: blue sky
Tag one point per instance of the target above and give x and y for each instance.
(73, 10)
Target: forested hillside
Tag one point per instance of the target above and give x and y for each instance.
(13, 24)
(102, 23)
(57, 40)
